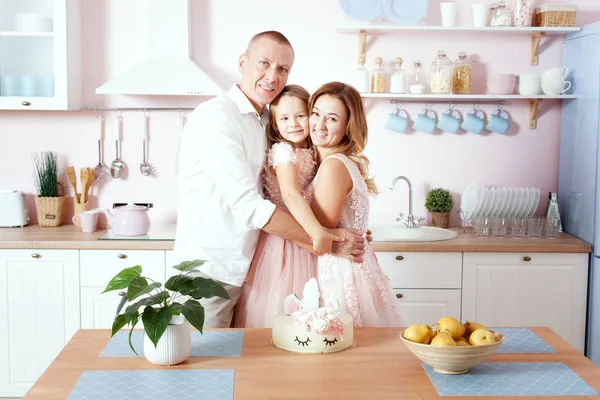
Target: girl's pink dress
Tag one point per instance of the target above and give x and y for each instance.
(362, 290)
(279, 267)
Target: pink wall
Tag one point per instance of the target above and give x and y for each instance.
(114, 38)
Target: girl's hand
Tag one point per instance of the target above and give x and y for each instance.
(323, 242)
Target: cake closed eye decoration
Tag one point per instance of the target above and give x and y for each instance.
(312, 325)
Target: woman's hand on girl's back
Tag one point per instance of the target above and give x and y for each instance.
(323, 242)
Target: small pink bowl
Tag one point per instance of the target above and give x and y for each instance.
(501, 84)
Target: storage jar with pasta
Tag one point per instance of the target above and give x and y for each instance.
(441, 74)
(461, 75)
(378, 78)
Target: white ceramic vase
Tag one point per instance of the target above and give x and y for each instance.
(174, 346)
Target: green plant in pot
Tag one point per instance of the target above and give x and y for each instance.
(439, 202)
(50, 207)
(166, 318)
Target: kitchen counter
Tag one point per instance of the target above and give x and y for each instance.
(380, 366)
(71, 237)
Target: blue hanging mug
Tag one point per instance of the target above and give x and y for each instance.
(498, 121)
(426, 121)
(449, 120)
(474, 121)
(397, 120)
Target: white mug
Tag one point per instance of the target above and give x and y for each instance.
(87, 221)
(553, 81)
(530, 84)
(448, 11)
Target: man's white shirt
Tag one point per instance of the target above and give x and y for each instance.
(220, 205)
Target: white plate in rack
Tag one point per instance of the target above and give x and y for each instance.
(481, 197)
(490, 203)
(506, 203)
(469, 199)
(536, 202)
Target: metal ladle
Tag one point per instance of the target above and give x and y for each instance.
(146, 168)
(100, 166)
(117, 166)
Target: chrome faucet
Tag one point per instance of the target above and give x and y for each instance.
(410, 221)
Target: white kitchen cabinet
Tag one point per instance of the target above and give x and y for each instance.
(98, 267)
(538, 289)
(39, 313)
(40, 55)
(427, 306)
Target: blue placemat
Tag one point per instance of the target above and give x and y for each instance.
(511, 379)
(211, 344)
(150, 385)
(522, 340)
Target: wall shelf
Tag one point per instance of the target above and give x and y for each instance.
(26, 34)
(536, 33)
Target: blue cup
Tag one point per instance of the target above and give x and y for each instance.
(498, 121)
(426, 121)
(474, 121)
(449, 121)
(397, 120)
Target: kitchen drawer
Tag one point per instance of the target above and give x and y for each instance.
(413, 270)
(427, 306)
(98, 267)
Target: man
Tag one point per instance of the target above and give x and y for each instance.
(223, 147)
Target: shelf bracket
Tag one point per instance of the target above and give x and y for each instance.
(536, 37)
(362, 41)
(533, 109)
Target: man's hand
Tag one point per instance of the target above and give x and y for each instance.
(323, 243)
(369, 237)
(352, 248)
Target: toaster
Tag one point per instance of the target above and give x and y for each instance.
(13, 209)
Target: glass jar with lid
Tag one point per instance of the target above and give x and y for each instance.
(361, 76)
(461, 75)
(398, 78)
(378, 77)
(441, 74)
(415, 83)
(502, 15)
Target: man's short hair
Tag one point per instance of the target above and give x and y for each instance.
(275, 36)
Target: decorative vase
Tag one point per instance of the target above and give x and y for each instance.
(50, 210)
(440, 219)
(174, 346)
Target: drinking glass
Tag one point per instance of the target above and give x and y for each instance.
(499, 227)
(551, 227)
(481, 226)
(534, 228)
(518, 226)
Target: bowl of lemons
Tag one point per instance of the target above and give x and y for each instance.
(451, 347)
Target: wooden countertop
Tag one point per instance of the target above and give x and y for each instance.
(71, 237)
(379, 367)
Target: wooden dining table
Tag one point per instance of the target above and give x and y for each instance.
(378, 366)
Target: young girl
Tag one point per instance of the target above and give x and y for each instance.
(338, 128)
(279, 266)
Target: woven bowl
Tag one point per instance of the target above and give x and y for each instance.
(453, 360)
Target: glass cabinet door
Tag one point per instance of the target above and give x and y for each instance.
(27, 48)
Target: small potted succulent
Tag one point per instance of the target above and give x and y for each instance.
(165, 316)
(50, 207)
(439, 202)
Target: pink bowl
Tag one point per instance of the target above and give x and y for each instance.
(501, 84)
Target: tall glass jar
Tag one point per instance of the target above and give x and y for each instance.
(441, 74)
(461, 75)
(378, 77)
(502, 15)
(398, 78)
(360, 79)
(415, 82)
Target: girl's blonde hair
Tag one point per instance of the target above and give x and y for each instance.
(354, 141)
(273, 136)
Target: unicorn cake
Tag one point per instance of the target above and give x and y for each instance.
(305, 327)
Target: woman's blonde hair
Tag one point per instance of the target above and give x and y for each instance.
(354, 141)
(273, 136)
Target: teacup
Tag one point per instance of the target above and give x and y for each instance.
(426, 121)
(553, 81)
(449, 121)
(498, 121)
(397, 120)
(86, 220)
(474, 121)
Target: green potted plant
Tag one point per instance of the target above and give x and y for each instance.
(439, 202)
(166, 318)
(50, 207)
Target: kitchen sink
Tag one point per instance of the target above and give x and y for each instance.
(398, 233)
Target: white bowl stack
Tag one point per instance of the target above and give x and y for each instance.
(505, 202)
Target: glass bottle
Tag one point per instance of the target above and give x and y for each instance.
(378, 77)
(441, 74)
(398, 78)
(461, 75)
(502, 15)
(416, 85)
(360, 79)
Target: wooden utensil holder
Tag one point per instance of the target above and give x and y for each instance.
(78, 207)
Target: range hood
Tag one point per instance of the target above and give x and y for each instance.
(168, 68)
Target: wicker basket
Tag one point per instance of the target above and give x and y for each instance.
(50, 210)
(556, 15)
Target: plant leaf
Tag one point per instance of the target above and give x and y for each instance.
(189, 265)
(180, 283)
(122, 279)
(177, 308)
(139, 287)
(135, 321)
(207, 288)
(194, 313)
(156, 323)
(146, 301)
(118, 323)
(121, 304)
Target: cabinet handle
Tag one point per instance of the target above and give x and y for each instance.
(399, 295)
(36, 255)
(26, 103)
(527, 258)
(399, 258)
(122, 256)
(122, 294)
